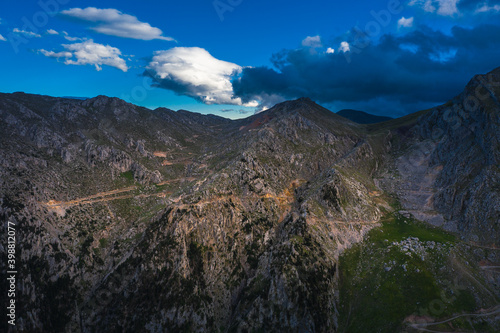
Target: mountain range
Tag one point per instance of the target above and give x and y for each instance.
(293, 219)
(362, 117)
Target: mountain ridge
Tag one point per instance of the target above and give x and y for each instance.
(362, 117)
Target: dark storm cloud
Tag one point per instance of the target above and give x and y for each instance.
(423, 66)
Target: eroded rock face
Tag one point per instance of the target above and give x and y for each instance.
(132, 219)
(242, 262)
(448, 173)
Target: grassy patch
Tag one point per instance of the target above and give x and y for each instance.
(103, 242)
(378, 301)
(128, 175)
(381, 284)
(396, 227)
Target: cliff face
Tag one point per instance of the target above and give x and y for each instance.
(468, 186)
(449, 163)
(131, 219)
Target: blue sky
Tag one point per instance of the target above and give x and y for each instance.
(236, 57)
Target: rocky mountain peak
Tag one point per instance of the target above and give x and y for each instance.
(304, 108)
(303, 103)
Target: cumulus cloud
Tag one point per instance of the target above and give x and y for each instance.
(2, 38)
(448, 7)
(115, 23)
(422, 67)
(330, 50)
(89, 53)
(194, 72)
(312, 41)
(26, 33)
(440, 7)
(52, 32)
(405, 22)
(345, 47)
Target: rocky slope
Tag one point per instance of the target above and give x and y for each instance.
(449, 162)
(131, 219)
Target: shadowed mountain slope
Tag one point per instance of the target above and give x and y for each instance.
(361, 117)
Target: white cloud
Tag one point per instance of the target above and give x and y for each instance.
(52, 32)
(2, 38)
(345, 47)
(52, 54)
(448, 7)
(26, 33)
(429, 6)
(441, 7)
(90, 53)
(266, 101)
(330, 50)
(74, 39)
(485, 8)
(312, 41)
(405, 22)
(113, 22)
(194, 72)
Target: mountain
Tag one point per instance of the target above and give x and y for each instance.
(130, 219)
(75, 97)
(361, 117)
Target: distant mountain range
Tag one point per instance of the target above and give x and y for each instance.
(294, 219)
(361, 117)
(73, 97)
